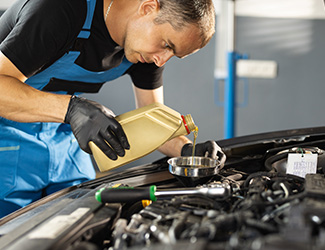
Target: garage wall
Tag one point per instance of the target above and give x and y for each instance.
(296, 97)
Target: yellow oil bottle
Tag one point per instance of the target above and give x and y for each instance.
(146, 128)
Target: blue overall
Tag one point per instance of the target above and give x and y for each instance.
(37, 159)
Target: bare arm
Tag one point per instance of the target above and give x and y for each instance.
(23, 103)
(145, 97)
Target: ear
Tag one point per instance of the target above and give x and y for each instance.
(148, 6)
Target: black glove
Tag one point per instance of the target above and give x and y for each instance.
(206, 149)
(91, 121)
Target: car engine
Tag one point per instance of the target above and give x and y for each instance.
(261, 206)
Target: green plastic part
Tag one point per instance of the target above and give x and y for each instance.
(98, 195)
(152, 193)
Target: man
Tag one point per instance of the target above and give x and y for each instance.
(50, 51)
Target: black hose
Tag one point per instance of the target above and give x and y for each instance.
(268, 163)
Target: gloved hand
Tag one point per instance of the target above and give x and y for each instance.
(206, 149)
(91, 121)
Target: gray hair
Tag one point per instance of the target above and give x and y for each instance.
(180, 13)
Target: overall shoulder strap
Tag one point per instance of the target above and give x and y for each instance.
(85, 32)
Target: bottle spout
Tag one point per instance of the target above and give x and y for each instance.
(189, 123)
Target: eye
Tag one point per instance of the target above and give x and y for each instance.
(167, 46)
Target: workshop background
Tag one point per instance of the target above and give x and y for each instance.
(285, 92)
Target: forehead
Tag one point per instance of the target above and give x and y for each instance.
(184, 41)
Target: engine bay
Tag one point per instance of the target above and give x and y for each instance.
(261, 206)
(264, 210)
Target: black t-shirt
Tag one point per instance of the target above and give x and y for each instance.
(35, 33)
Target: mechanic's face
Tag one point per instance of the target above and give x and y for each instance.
(147, 42)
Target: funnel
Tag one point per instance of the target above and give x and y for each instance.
(193, 170)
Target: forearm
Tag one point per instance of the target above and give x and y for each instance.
(22, 103)
(173, 147)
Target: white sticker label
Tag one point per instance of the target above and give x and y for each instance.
(302, 164)
(54, 227)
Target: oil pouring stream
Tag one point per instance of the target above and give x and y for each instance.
(195, 134)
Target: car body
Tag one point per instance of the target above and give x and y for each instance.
(266, 208)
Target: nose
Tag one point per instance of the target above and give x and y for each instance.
(161, 58)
